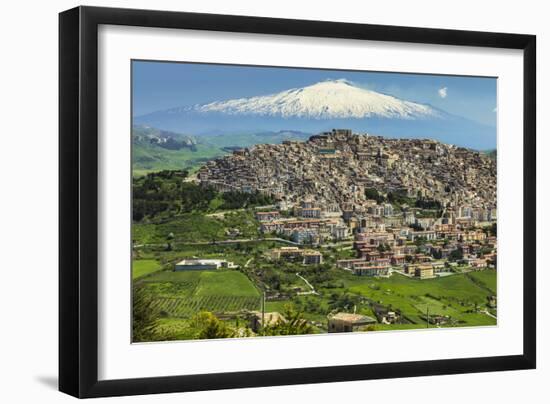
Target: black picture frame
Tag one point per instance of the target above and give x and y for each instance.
(78, 201)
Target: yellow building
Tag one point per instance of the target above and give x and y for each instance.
(424, 271)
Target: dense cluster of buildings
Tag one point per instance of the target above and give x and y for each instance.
(311, 223)
(412, 205)
(434, 251)
(337, 167)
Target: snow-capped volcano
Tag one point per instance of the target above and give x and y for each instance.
(321, 107)
(324, 100)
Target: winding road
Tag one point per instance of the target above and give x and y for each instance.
(312, 291)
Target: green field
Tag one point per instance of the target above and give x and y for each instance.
(148, 158)
(486, 278)
(456, 296)
(144, 267)
(151, 158)
(225, 283)
(182, 294)
(239, 252)
(196, 227)
(461, 296)
(163, 239)
(189, 227)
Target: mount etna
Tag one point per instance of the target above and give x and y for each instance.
(321, 107)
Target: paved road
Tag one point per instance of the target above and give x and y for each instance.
(489, 314)
(312, 292)
(340, 243)
(244, 240)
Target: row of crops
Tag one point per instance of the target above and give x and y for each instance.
(186, 307)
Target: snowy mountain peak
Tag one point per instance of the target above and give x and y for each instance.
(329, 83)
(323, 100)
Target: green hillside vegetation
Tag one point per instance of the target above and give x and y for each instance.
(165, 194)
(150, 158)
(179, 296)
(175, 218)
(456, 296)
(486, 279)
(250, 139)
(185, 293)
(188, 152)
(237, 252)
(189, 227)
(144, 267)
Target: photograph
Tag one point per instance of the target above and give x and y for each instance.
(280, 201)
(267, 201)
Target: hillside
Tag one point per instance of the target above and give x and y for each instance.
(339, 167)
(155, 150)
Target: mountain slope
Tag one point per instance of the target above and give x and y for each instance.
(146, 135)
(154, 149)
(324, 100)
(321, 107)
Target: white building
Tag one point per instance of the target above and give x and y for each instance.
(202, 264)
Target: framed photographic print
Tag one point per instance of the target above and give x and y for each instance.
(250, 202)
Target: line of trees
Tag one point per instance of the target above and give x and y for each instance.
(167, 193)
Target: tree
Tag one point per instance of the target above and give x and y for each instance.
(456, 255)
(145, 317)
(205, 325)
(419, 241)
(344, 302)
(372, 193)
(292, 324)
(428, 204)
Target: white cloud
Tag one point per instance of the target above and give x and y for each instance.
(442, 92)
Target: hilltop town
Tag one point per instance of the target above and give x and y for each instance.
(335, 169)
(357, 232)
(414, 206)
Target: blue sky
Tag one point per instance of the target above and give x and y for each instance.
(158, 86)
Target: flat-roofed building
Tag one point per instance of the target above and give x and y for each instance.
(285, 252)
(308, 257)
(410, 268)
(348, 264)
(424, 271)
(349, 322)
(479, 263)
(312, 257)
(313, 213)
(267, 216)
(398, 259)
(371, 270)
(202, 264)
